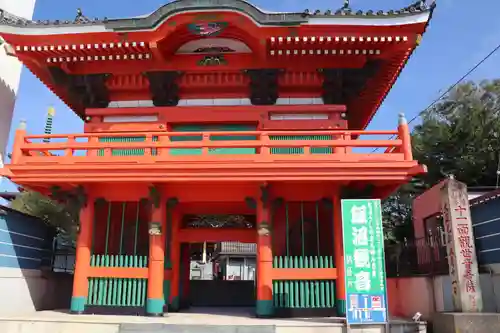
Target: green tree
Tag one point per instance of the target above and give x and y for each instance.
(63, 217)
(458, 136)
(397, 213)
(461, 135)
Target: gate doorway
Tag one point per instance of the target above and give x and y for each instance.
(219, 272)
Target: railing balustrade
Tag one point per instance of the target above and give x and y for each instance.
(254, 145)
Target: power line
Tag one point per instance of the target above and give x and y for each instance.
(469, 72)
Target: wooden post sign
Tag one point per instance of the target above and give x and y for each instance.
(460, 247)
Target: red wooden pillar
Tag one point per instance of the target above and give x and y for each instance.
(18, 142)
(339, 254)
(82, 264)
(264, 304)
(405, 137)
(156, 271)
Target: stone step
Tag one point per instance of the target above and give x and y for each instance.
(165, 328)
(27, 326)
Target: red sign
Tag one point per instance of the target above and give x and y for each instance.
(376, 302)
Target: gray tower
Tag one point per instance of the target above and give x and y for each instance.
(10, 73)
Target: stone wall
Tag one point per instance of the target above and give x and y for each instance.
(431, 295)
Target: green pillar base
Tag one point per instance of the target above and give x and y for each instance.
(154, 307)
(264, 309)
(341, 307)
(77, 305)
(174, 305)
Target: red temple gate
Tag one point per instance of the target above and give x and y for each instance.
(218, 108)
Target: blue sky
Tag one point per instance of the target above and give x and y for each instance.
(460, 34)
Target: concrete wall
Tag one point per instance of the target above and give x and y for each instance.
(26, 283)
(25, 291)
(407, 296)
(429, 295)
(490, 288)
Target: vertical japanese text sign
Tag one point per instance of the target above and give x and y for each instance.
(460, 247)
(366, 297)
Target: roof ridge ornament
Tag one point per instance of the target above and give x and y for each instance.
(11, 19)
(80, 18)
(345, 9)
(417, 6)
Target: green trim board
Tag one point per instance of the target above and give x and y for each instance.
(264, 308)
(241, 151)
(154, 306)
(213, 128)
(123, 152)
(123, 292)
(77, 304)
(341, 307)
(304, 294)
(365, 278)
(300, 150)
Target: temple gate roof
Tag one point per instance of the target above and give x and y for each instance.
(357, 55)
(416, 13)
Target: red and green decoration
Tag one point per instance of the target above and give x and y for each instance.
(207, 29)
(217, 60)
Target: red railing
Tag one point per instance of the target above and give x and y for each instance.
(100, 147)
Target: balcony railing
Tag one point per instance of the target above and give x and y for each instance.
(147, 147)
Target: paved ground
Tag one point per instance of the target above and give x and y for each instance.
(194, 316)
(199, 320)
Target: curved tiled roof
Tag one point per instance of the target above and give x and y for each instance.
(14, 30)
(260, 16)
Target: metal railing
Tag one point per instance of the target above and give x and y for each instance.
(64, 262)
(422, 256)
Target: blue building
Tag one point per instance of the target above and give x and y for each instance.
(485, 212)
(26, 281)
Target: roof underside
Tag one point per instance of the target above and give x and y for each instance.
(369, 50)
